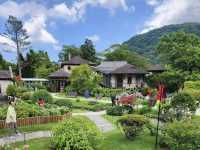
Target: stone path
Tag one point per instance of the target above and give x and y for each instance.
(24, 136)
(96, 117)
(100, 122)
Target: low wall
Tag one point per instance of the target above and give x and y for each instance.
(37, 120)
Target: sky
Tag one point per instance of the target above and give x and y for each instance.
(54, 23)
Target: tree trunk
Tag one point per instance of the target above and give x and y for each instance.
(18, 57)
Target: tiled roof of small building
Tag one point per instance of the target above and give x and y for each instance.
(156, 68)
(77, 60)
(118, 67)
(59, 74)
(5, 75)
(110, 66)
(128, 69)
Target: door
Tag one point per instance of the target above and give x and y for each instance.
(119, 81)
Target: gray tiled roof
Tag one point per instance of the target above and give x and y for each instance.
(77, 60)
(156, 68)
(128, 69)
(5, 75)
(59, 74)
(109, 66)
(118, 67)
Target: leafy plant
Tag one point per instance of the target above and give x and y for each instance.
(11, 90)
(181, 135)
(62, 102)
(44, 94)
(132, 125)
(77, 133)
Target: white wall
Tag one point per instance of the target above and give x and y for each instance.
(3, 85)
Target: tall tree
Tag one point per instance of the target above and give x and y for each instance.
(87, 51)
(180, 50)
(68, 51)
(37, 64)
(16, 33)
(119, 52)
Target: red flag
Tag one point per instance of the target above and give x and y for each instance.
(161, 95)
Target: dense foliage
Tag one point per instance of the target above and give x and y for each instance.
(132, 125)
(119, 110)
(121, 52)
(84, 78)
(146, 43)
(77, 133)
(44, 94)
(11, 90)
(87, 51)
(173, 80)
(184, 104)
(37, 64)
(178, 50)
(183, 135)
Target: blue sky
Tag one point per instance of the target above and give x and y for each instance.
(52, 23)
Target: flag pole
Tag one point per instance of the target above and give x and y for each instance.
(157, 129)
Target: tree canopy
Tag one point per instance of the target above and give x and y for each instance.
(119, 52)
(180, 50)
(37, 64)
(84, 78)
(68, 51)
(87, 51)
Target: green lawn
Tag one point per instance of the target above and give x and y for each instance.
(41, 127)
(36, 144)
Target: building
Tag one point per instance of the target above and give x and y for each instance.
(6, 78)
(34, 82)
(60, 79)
(120, 74)
(156, 69)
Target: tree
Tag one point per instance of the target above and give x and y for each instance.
(87, 51)
(119, 52)
(2, 62)
(68, 51)
(37, 64)
(181, 51)
(84, 78)
(173, 80)
(16, 33)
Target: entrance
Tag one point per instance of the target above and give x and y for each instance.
(119, 81)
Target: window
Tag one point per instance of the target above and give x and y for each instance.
(129, 80)
(69, 67)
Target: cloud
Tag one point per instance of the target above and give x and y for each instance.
(95, 38)
(7, 44)
(36, 15)
(152, 2)
(174, 12)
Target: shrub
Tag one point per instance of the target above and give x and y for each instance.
(21, 90)
(11, 90)
(115, 111)
(62, 102)
(26, 96)
(144, 110)
(3, 111)
(119, 110)
(182, 135)
(42, 94)
(132, 125)
(183, 103)
(77, 133)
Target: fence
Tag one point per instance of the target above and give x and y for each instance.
(37, 120)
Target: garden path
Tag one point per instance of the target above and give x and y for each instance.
(24, 137)
(97, 118)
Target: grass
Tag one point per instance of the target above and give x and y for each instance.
(115, 140)
(36, 144)
(41, 127)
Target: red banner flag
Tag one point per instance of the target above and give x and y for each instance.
(161, 95)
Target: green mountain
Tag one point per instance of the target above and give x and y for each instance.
(145, 44)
